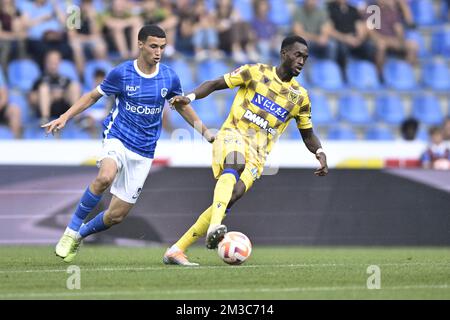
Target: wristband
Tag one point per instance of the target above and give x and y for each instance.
(191, 96)
(320, 150)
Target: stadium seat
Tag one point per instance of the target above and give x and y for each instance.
(422, 134)
(390, 109)
(211, 69)
(417, 37)
(362, 74)
(73, 132)
(184, 72)
(353, 108)
(321, 110)
(22, 74)
(5, 133)
(280, 13)
(245, 9)
(399, 74)
(427, 109)
(379, 133)
(67, 68)
(341, 133)
(89, 71)
(423, 12)
(436, 75)
(440, 42)
(302, 80)
(209, 112)
(326, 75)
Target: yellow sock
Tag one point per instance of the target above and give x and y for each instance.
(195, 232)
(222, 196)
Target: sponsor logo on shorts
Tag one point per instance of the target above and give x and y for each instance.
(138, 192)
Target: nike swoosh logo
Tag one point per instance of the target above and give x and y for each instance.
(132, 94)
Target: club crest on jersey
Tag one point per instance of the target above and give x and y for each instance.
(293, 97)
(164, 92)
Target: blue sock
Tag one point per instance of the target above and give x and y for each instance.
(93, 226)
(87, 204)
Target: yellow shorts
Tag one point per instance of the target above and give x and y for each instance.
(229, 141)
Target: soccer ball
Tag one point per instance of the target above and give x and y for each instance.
(234, 248)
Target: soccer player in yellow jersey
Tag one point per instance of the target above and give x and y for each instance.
(267, 99)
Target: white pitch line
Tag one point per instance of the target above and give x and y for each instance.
(211, 291)
(305, 265)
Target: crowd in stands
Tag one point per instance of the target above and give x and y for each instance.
(49, 57)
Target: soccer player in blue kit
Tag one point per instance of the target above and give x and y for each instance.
(132, 129)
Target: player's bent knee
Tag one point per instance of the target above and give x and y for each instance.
(104, 181)
(238, 192)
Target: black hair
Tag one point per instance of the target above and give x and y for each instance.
(290, 40)
(99, 73)
(150, 30)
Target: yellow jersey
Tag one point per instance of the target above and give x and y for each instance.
(264, 105)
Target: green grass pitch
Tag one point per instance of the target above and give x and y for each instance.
(270, 273)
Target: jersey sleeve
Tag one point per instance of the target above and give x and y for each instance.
(112, 84)
(239, 77)
(303, 117)
(176, 89)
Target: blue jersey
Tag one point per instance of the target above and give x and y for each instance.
(136, 118)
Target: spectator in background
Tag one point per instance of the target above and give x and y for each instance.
(350, 32)
(409, 129)
(437, 154)
(405, 13)
(205, 39)
(88, 36)
(9, 113)
(390, 37)
(235, 36)
(264, 29)
(313, 24)
(52, 93)
(446, 131)
(91, 120)
(46, 24)
(12, 33)
(185, 28)
(123, 27)
(161, 13)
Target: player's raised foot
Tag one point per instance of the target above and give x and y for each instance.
(73, 251)
(64, 245)
(177, 257)
(215, 235)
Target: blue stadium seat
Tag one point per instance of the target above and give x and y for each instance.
(321, 110)
(5, 133)
(17, 98)
(390, 109)
(73, 132)
(399, 74)
(417, 37)
(183, 70)
(362, 74)
(245, 9)
(440, 42)
(208, 111)
(427, 109)
(423, 12)
(353, 108)
(326, 74)
(91, 67)
(436, 75)
(422, 134)
(379, 133)
(280, 13)
(302, 80)
(33, 131)
(211, 69)
(67, 68)
(23, 73)
(341, 133)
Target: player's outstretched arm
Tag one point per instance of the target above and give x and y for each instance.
(202, 91)
(79, 106)
(191, 117)
(312, 142)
